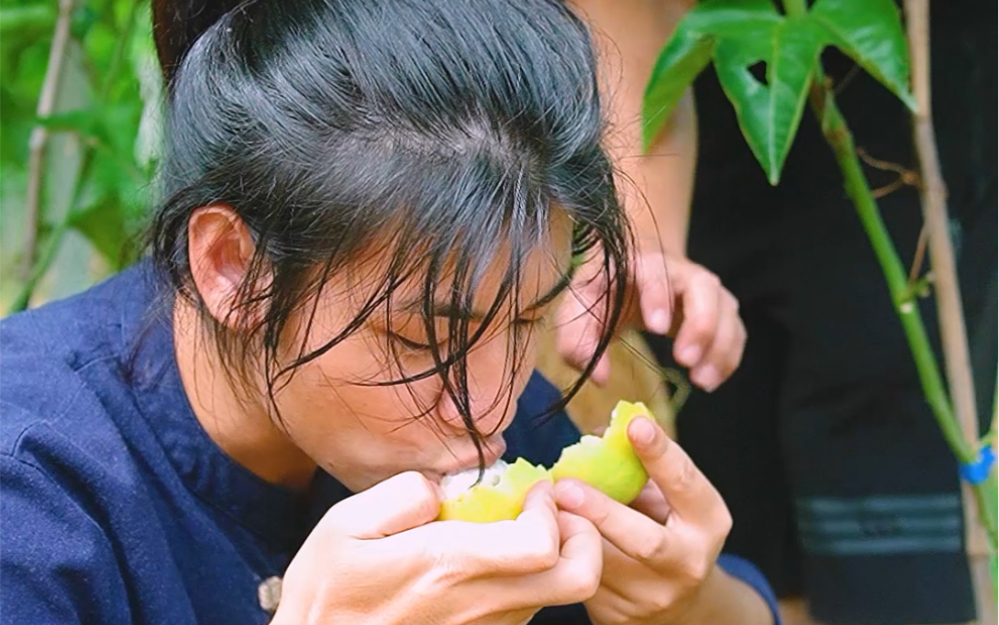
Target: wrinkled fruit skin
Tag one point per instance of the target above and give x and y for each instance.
(607, 463)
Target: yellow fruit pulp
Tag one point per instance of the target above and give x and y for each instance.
(607, 463)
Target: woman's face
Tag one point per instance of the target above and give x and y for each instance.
(362, 433)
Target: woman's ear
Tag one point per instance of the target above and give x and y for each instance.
(220, 249)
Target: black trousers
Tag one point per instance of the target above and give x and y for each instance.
(840, 484)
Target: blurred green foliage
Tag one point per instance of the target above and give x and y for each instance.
(101, 147)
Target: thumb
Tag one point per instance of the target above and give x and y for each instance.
(400, 503)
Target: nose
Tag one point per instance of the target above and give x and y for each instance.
(496, 378)
(492, 406)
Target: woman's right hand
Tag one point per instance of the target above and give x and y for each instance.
(380, 557)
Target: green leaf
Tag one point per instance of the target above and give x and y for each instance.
(870, 32)
(678, 65)
(769, 114)
(689, 50)
(83, 121)
(730, 18)
(102, 224)
(84, 17)
(33, 17)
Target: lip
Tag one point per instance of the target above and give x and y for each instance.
(495, 448)
(492, 450)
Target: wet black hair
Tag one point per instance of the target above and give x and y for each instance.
(447, 134)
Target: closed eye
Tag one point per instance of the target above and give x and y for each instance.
(529, 323)
(519, 324)
(409, 343)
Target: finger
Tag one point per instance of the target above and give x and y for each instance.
(652, 503)
(528, 544)
(691, 496)
(601, 371)
(701, 301)
(627, 580)
(655, 295)
(579, 327)
(617, 601)
(574, 578)
(633, 533)
(541, 512)
(576, 329)
(397, 504)
(725, 352)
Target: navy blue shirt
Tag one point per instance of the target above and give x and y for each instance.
(117, 507)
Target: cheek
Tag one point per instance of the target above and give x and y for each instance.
(350, 381)
(340, 397)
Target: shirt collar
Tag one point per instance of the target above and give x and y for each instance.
(279, 516)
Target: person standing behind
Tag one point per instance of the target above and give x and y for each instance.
(841, 487)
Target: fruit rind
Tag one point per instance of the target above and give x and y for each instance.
(504, 501)
(608, 463)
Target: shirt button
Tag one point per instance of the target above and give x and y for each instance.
(269, 594)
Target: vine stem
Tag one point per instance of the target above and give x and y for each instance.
(841, 141)
(40, 136)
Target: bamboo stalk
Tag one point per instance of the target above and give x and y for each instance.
(40, 265)
(957, 360)
(934, 195)
(40, 136)
(934, 199)
(54, 240)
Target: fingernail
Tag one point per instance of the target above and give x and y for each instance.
(659, 322)
(544, 486)
(690, 355)
(706, 377)
(568, 494)
(642, 431)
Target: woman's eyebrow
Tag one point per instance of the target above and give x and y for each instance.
(449, 310)
(563, 283)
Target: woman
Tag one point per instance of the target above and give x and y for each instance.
(370, 208)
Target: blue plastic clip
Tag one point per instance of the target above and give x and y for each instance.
(978, 471)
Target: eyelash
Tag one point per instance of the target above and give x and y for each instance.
(529, 323)
(410, 344)
(415, 346)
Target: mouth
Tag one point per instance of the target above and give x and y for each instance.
(492, 450)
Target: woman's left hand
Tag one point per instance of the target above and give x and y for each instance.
(659, 553)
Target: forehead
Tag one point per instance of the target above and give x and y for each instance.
(542, 273)
(390, 276)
